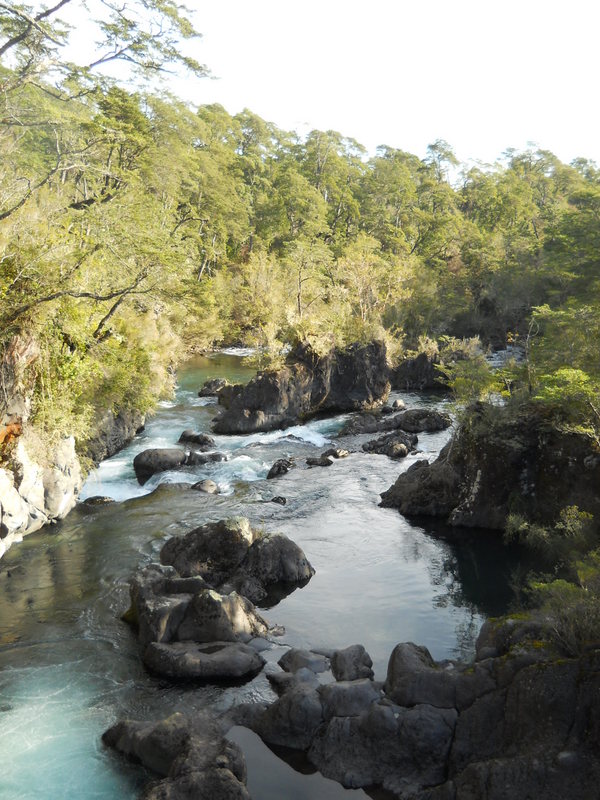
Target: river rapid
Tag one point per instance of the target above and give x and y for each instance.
(69, 666)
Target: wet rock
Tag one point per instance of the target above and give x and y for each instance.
(296, 659)
(191, 753)
(351, 664)
(394, 445)
(207, 486)
(342, 380)
(281, 501)
(320, 461)
(149, 462)
(201, 441)
(335, 452)
(273, 558)
(213, 386)
(419, 420)
(280, 467)
(209, 661)
(348, 698)
(97, 500)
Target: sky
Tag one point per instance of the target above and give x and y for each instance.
(485, 76)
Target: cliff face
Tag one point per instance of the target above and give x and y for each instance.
(38, 483)
(500, 462)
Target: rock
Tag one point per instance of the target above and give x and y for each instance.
(342, 380)
(230, 555)
(296, 659)
(214, 550)
(201, 441)
(112, 433)
(210, 616)
(501, 462)
(196, 760)
(281, 501)
(228, 393)
(213, 386)
(97, 500)
(282, 681)
(273, 558)
(395, 445)
(419, 420)
(351, 664)
(293, 719)
(417, 374)
(211, 661)
(398, 405)
(154, 460)
(335, 452)
(348, 698)
(321, 461)
(280, 467)
(423, 490)
(207, 486)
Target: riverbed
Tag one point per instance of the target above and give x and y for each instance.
(70, 666)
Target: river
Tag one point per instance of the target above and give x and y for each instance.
(69, 666)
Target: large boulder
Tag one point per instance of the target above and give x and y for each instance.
(395, 445)
(418, 374)
(212, 387)
(213, 661)
(424, 490)
(351, 663)
(412, 420)
(342, 380)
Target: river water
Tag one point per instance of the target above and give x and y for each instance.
(69, 666)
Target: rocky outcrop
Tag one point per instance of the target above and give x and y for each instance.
(502, 461)
(342, 380)
(213, 386)
(189, 753)
(394, 445)
(518, 722)
(192, 613)
(113, 432)
(39, 481)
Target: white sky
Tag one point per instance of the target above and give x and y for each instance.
(484, 75)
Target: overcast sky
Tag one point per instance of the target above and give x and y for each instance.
(484, 75)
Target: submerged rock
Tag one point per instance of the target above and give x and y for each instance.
(207, 486)
(342, 380)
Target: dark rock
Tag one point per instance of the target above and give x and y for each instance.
(351, 664)
(190, 752)
(210, 616)
(195, 458)
(296, 659)
(348, 698)
(113, 432)
(211, 661)
(343, 380)
(417, 374)
(320, 461)
(154, 460)
(201, 441)
(282, 681)
(273, 558)
(228, 393)
(212, 387)
(412, 420)
(424, 490)
(207, 486)
(280, 467)
(395, 445)
(214, 551)
(500, 462)
(281, 501)
(398, 405)
(97, 500)
(293, 720)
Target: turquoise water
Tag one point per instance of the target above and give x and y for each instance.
(69, 666)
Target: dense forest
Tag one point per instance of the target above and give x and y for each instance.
(134, 228)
